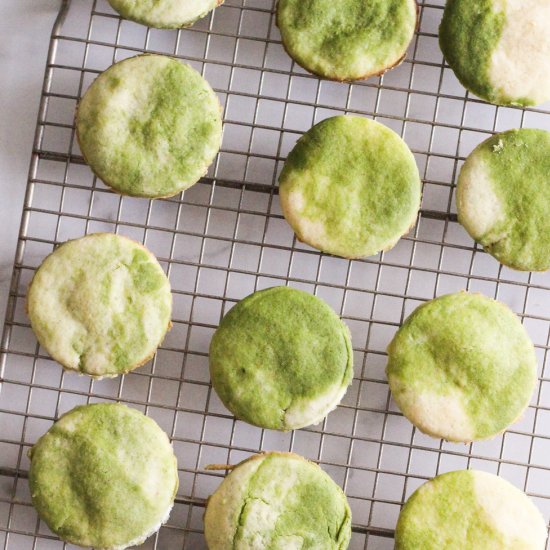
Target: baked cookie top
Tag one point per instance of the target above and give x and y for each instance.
(349, 39)
(103, 475)
(277, 500)
(164, 14)
(149, 126)
(462, 367)
(281, 359)
(469, 510)
(100, 305)
(503, 198)
(350, 187)
(499, 49)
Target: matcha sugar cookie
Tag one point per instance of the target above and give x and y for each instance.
(279, 501)
(462, 367)
(100, 305)
(104, 475)
(503, 198)
(350, 187)
(149, 126)
(281, 359)
(470, 510)
(349, 39)
(164, 14)
(499, 49)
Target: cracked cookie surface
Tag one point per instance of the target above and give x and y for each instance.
(100, 305)
(462, 367)
(281, 359)
(503, 198)
(104, 475)
(277, 501)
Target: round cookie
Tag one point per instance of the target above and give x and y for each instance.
(164, 14)
(104, 475)
(503, 198)
(350, 187)
(347, 40)
(499, 49)
(149, 126)
(100, 305)
(462, 367)
(279, 501)
(281, 359)
(470, 510)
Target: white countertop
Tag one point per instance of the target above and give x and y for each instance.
(25, 27)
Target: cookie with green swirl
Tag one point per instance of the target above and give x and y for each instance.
(350, 187)
(149, 126)
(281, 359)
(462, 367)
(470, 510)
(103, 476)
(100, 305)
(503, 198)
(279, 501)
(347, 40)
(164, 14)
(499, 49)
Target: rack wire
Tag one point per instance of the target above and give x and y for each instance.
(225, 237)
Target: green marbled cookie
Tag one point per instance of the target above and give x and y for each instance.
(100, 305)
(347, 40)
(149, 126)
(503, 198)
(462, 367)
(499, 49)
(279, 501)
(164, 14)
(281, 359)
(470, 510)
(104, 475)
(350, 187)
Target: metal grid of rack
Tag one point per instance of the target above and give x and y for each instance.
(225, 237)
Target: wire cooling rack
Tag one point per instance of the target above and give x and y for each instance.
(225, 237)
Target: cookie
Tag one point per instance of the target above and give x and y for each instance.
(281, 359)
(499, 49)
(100, 305)
(103, 475)
(503, 198)
(164, 14)
(462, 367)
(470, 510)
(347, 40)
(149, 126)
(350, 187)
(279, 501)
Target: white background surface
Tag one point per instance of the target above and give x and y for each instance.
(25, 27)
